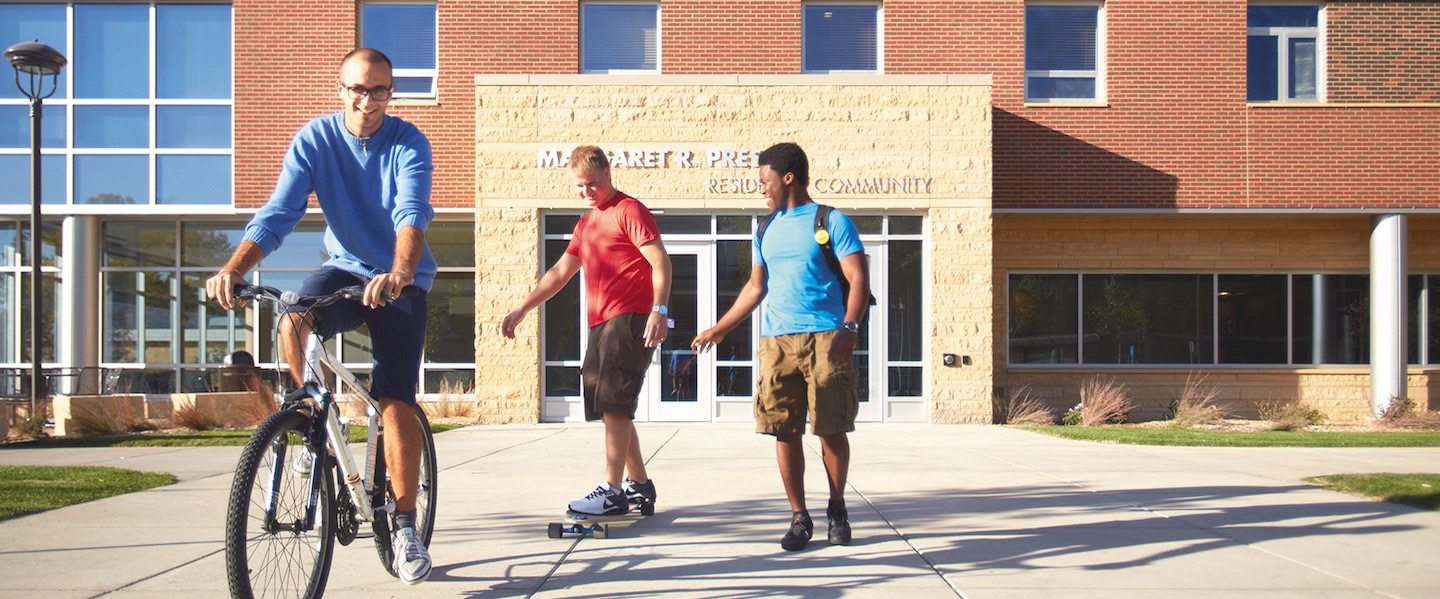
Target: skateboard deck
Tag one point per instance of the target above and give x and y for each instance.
(596, 526)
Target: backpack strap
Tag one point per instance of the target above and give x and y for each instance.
(827, 248)
(760, 230)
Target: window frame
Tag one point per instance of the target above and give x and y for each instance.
(397, 71)
(1100, 72)
(659, 36)
(1283, 36)
(61, 180)
(879, 36)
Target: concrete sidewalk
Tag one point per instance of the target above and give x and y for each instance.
(939, 511)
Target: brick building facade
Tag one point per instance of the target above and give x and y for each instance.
(1172, 171)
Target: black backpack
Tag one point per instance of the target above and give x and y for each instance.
(822, 221)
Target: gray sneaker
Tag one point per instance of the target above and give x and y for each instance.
(412, 561)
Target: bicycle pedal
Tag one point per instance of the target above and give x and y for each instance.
(388, 508)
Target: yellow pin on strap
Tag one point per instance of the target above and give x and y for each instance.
(822, 237)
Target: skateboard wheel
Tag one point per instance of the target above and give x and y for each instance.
(602, 531)
(647, 509)
(557, 530)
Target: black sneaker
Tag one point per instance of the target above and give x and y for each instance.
(839, 525)
(641, 496)
(801, 529)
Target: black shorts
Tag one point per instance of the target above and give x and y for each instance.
(397, 331)
(616, 360)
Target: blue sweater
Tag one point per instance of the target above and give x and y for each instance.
(367, 188)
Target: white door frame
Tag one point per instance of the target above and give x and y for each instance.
(691, 304)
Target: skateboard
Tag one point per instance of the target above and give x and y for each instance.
(596, 526)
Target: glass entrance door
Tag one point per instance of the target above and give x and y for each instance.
(679, 387)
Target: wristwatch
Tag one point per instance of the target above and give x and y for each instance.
(664, 311)
(852, 326)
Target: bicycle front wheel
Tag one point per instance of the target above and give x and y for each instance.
(277, 542)
(425, 496)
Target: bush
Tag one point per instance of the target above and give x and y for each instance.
(1289, 415)
(104, 418)
(1102, 401)
(1197, 405)
(455, 402)
(190, 417)
(1401, 414)
(1020, 407)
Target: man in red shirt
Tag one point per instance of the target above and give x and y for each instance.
(627, 286)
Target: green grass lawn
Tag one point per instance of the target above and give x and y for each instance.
(1205, 438)
(30, 489)
(1418, 490)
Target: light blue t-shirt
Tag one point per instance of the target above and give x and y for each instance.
(367, 188)
(802, 294)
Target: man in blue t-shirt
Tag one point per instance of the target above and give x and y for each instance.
(807, 339)
(371, 174)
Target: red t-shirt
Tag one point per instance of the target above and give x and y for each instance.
(607, 241)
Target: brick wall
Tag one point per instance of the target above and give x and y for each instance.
(1383, 51)
(1175, 131)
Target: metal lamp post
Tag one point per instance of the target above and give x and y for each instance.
(38, 61)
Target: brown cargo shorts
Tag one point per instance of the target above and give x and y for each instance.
(797, 381)
(616, 360)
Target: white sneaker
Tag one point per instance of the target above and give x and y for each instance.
(603, 501)
(412, 561)
(302, 464)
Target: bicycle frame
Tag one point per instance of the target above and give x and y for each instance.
(319, 360)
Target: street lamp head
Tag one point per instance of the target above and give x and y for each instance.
(35, 58)
(39, 61)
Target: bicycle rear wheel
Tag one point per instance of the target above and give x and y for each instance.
(276, 543)
(425, 498)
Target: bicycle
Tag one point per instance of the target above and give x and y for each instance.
(284, 512)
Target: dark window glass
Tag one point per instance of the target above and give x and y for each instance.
(134, 243)
(1044, 325)
(732, 225)
(907, 309)
(562, 381)
(452, 244)
(450, 319)
(1253, 319)
(562, 315)
(1336, 311)
(671, 224)
(1148, 319)
(732, 272)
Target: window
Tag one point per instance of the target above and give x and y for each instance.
(1064, 51)
(1286, 53)
(158, 334)
(841, 38)
(406, 33)
(1174, 319)
(120, 128)
(619, 37)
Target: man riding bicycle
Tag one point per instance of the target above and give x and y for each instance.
(371, 173)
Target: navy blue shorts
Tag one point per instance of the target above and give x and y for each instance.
(397, 331)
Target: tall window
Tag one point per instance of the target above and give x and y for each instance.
(160, 335)
(123, 127)
(841, 38)
(1286, 54)
(15, 282)
(406, 33)
(1064, 51)
(618, 37)
(1174, 319)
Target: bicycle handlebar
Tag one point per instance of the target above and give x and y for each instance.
(290, 298)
